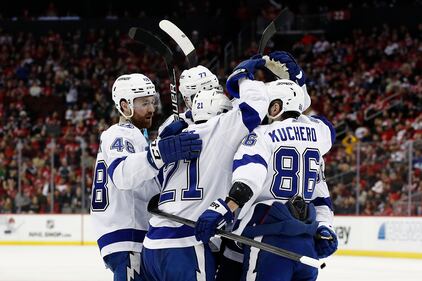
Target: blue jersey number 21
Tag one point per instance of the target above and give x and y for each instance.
(192, 191)
(287, 164)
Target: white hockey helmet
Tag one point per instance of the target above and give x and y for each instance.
(195, 79)
(130, 87)
(290, 93)
(209, 103)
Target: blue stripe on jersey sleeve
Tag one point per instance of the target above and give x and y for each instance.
(250, 116)
(323, 201)
(167, 232)
(113, 166)
(246, 159)
(121, 235)
(329, 125)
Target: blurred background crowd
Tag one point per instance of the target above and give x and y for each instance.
(58, 62)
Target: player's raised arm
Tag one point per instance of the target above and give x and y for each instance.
(251, 94)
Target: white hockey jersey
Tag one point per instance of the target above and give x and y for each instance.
(189, 187)
(124, 181)
(284, 159)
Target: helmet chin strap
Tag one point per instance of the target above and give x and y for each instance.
(127, 116)
(273, 118)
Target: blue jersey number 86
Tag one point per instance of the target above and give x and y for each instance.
(287, 166)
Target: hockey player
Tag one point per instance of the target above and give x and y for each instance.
(282, 65)
(124, 177)
(171, 251)
(191, 81)
(196, 79)
(274, 175)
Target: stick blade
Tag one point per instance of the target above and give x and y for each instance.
(132, 32)
(272, 29)
(312, 262)
(146, 38)
(266, 36)
(181, 39)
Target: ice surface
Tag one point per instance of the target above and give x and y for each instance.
(83, 263)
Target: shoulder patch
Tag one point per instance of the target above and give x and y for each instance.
(250, 140)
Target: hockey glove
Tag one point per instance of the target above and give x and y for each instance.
(174, 148)
(217, 214)
(175, 128)
(284, 66)
(245, 69)
(325, 242)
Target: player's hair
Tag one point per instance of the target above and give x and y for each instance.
(290, 114)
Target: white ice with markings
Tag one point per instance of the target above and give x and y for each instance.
(83, 263)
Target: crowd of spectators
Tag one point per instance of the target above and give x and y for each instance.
(369, 85)
(55, 101)
(56, 86)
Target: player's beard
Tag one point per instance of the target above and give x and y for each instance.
(143, 122)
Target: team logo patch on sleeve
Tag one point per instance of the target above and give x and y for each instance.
(250, 139)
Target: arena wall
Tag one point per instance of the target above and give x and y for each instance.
(358, 236)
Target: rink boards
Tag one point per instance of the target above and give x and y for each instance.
(358, 236)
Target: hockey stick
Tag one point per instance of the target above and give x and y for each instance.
(275, 67)
(145, 37)
(153, 208)
(182, 41)
(272, 29)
